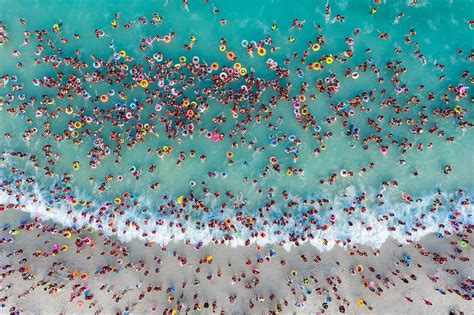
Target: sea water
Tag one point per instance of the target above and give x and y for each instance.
(441, 30)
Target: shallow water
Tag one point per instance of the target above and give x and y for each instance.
(441, 29)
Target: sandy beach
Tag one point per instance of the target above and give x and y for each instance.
(139, 278)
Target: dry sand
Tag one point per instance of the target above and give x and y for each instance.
(130, 284)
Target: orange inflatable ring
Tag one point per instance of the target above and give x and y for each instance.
(230, 55)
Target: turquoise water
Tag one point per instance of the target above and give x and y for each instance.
(441, 30)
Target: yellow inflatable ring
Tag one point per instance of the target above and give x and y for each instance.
(144, 83)
(77, 124)
(117, 201)
(316, 47)
(222, 47)
(67, 234)
(262, 51)
(122, 53)
(237, 66)
(243, 71)
(329, 60)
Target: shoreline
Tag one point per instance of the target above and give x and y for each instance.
(257, 272)
(373, 229)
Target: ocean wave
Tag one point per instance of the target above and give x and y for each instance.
(402, 221)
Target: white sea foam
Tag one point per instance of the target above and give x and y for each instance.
(338, 233)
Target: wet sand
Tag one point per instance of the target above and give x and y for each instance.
(151, 277)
